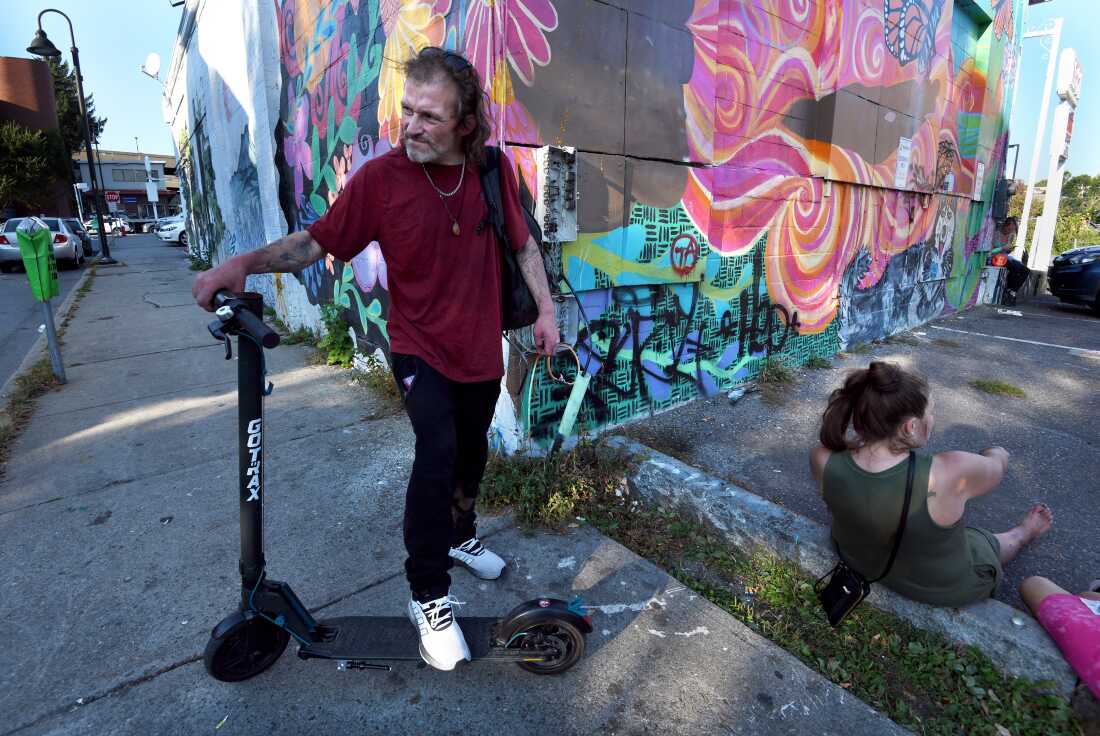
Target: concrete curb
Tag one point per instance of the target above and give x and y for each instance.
(1013, 640)
(38, 350)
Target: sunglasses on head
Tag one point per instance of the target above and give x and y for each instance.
(455, 62)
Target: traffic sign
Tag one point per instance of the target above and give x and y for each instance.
(111, 195)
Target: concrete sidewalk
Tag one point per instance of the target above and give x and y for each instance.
(119, 544)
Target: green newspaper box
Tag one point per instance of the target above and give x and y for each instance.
(36, 248)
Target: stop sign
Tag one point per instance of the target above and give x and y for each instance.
(110, 195)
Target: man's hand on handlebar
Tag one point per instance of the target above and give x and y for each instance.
(230, 276)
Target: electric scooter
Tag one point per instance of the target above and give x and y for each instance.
(544, 636)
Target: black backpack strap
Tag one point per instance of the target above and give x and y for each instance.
(490, 190)
(910, 472)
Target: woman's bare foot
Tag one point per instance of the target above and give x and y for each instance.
(1037, 522)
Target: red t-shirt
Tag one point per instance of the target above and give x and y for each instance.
(445, 303)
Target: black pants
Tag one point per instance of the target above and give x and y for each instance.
(451, 421)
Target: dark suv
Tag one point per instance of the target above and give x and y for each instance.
(1074, 276)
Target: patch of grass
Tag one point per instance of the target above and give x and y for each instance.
(902, 338)
(818, 363)
(944, 342)
(774, 371)
(551, 491)
(998, 388)
(774, 378)
(288, 336)
(861, 349)
(918, 679)
(198, 263)
(298, 337)
(21, 403)
(84, 288)
(376, 376)
(336, 344)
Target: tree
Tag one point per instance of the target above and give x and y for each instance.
(1078, 211)
(34, 160)
(68, 109)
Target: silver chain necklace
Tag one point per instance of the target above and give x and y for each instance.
(455, 229)
(440, 192)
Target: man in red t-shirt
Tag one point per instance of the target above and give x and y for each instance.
(422, 202)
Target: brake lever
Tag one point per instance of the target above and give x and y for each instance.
(215, 329)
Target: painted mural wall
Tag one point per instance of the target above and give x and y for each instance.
(759, 179)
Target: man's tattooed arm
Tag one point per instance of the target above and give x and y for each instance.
(286, 255)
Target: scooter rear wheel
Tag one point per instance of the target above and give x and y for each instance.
(562, 636)
(243, 646)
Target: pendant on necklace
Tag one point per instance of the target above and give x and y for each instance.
(454, 229)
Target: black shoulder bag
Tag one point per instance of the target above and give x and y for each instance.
(843, 588)
(518, 308)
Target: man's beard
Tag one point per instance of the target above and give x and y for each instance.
(422, 156)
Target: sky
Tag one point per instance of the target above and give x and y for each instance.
(113, 38)
(1078, 33)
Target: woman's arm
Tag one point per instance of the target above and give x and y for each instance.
(966, 475)
(819, 456)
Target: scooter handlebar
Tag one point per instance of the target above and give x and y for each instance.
(249, 322)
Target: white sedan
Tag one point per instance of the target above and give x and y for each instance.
(173, 231)
(68, 249)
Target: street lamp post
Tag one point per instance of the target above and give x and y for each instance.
(42, 46)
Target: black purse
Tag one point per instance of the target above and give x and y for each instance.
(518, 308)
(843, 588)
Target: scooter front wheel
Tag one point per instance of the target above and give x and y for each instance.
(554, 634)
(242, 646)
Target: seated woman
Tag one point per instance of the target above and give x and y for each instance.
(941, 561)
(1073, 621)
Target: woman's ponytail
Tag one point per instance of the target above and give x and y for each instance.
(874, 401)
(835, 420)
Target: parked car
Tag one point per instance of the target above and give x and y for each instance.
(173, 230)
(77, 228)
(155, 225)
(113, 224)
(1074, 276)
(67, 246)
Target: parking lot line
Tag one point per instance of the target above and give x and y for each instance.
(1070, 348)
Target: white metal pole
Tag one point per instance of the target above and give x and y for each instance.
(1056, 33)
(1043, 239)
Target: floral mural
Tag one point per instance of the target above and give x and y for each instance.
(760, 179)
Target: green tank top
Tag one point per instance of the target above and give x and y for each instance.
(943, 566)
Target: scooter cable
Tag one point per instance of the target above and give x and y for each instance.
(263, 363)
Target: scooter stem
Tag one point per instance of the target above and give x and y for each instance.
(250, 403)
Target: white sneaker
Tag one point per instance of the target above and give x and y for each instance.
(482, 562)
(442, 644)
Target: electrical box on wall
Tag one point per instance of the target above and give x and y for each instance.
(556, 204)
(556, 212)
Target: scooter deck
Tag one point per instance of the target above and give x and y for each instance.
(391, 638)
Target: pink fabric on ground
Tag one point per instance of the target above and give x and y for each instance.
(1076, 631)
